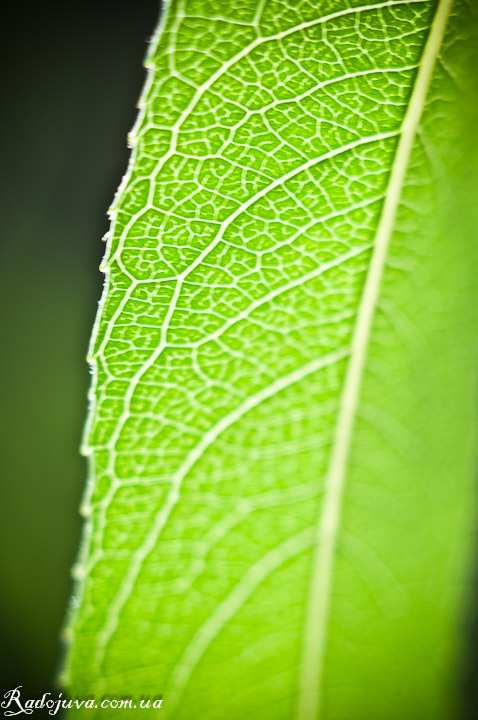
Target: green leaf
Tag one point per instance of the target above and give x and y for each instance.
(282, 434)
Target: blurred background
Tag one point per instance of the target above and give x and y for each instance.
(72, 73)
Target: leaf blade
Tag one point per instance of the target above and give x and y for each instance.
(198, 364)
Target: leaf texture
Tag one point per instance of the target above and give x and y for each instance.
(282, 433)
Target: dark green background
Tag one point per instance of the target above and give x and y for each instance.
(73, 75)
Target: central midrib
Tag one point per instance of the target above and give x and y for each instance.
(315, 629)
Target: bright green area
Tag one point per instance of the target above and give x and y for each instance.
(264, 156)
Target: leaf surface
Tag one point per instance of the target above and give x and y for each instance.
(282, 434)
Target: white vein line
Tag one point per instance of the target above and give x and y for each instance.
(277, 292)
(232, 603)
(315, 632)
(206, 86)
(242, 208)
(172, 498)
(136, 378)
(258, 13)
(133, 382)
(377, 137)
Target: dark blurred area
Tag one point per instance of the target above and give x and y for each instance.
(72, 75)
